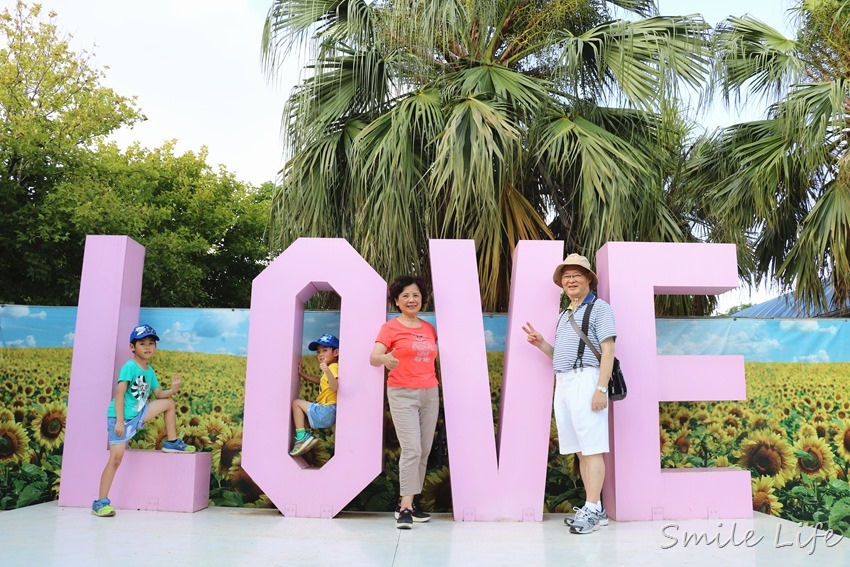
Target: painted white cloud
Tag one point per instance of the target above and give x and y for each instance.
(28, 342)
(217, 323)
(821, 356)
(177, 337)
(68, 340)
(14, 311)
(489, 339)
(712, 343)
(807, 326)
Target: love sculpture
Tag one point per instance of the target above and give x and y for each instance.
(499, 477)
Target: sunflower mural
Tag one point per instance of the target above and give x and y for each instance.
(33, 414)
(792, 433)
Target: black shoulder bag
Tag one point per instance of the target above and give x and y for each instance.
(617, 383)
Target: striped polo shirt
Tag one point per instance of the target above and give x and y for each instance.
(567, 340)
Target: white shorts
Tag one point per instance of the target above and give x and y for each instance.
(580, 429)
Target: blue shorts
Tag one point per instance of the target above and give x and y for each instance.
(321, 416)
(131, 427)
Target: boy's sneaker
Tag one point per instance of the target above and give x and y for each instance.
(177, 446)
(304, 445)
(603, 517)
(405, 519)
(418, 515)
(102, 508)
(586, 521)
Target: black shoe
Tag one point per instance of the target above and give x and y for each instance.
(405, 519)
(418, 515)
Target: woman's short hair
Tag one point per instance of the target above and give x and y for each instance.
(401, 282)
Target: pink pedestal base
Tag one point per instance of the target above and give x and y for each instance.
(187, 488)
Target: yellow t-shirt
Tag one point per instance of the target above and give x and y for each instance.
(327, 397)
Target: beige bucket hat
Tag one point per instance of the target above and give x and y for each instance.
(575, 260)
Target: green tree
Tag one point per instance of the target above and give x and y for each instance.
(53, 107)
(204, 231)
(780, 186)
(493, 120)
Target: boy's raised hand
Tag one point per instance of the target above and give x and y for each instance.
(176, 382)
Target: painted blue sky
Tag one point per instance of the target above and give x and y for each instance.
(225, 331)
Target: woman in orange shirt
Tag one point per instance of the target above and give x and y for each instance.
(407, 347)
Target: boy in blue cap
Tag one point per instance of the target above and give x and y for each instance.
(136, 382)
(322, 412)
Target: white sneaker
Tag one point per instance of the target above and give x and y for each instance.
(603, 517)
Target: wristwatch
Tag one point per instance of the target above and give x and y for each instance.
(602, 389)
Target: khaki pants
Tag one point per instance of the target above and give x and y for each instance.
(414, 412)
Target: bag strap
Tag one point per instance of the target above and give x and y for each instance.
(583, 333)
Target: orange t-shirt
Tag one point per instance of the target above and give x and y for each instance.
(416, 351)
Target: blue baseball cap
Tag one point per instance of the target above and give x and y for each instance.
(143, 331)
(324, 340)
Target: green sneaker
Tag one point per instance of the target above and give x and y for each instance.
(303, 446)
(102, 508)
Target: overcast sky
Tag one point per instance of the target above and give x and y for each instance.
(194, 66)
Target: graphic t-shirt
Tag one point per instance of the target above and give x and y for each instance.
(327, 397)
(140, 384)
(416, 351)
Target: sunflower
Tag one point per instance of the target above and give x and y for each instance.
(318, 455)
(682, 442)
(702, 416)
(6, 414)
(737, 410)
(437, 491)
(806, 430)
(723, 462)
(731, 422)
(152, 435)
(193, 420)
(718, 432)
(764, 499)
(842, 440)
(195, 437)
(683, 416)
(666, 443)
(814, 457)
(243, 484)
(226, 448)
(14, 443)
(822, 423)
(666, 422)
(49, 427)
(769, 455)
(21, 407)
(215, 427)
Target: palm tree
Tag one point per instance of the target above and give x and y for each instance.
(780, 186)
(495, 120)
